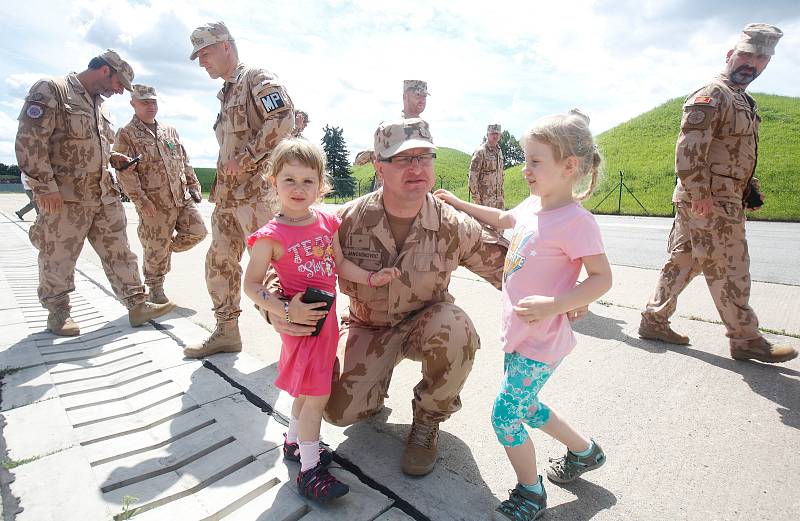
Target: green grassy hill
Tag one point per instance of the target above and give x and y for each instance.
(644, 148)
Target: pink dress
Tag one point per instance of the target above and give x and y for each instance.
(306, 363)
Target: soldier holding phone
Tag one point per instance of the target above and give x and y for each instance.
(162, 184)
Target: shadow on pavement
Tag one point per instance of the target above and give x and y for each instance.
(777, 383)
(591, 499)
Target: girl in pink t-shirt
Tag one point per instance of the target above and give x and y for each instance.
(302, 244)
(553, 238)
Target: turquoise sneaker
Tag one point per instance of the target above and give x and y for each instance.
(569, 467)
(521, 505)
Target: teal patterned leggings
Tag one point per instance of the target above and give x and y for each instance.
(518, 400)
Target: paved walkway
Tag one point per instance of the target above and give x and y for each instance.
(117, 412)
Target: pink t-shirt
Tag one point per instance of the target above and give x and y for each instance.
(544, 258)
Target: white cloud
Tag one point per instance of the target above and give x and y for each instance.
(344, 61)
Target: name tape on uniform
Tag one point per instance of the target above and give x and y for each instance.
(273, 101)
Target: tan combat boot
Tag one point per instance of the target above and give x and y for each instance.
(224, 339)
(144, 311)
(663, 333)
(60, 323)
(419, 457)
(157, 295)
(763, 350)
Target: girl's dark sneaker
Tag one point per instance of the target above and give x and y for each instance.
(291, 452)
(318, 484)
(521, 505)
(569, 467)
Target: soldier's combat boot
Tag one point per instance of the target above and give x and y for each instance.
(663, 333)
(419, 457)
(60, 323)
(144, 311)
(763, 350)
(224, 339)
(157, 295)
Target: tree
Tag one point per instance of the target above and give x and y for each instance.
(344, 185)
(512, 152)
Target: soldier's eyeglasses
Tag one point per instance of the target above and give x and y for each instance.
(422, 160)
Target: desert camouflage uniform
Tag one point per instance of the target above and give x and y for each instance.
(413, 316)
(256, 113)
(63, 144)
(163, 176)
(714, 158)
(486, 176)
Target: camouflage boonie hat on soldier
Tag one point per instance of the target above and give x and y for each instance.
(120, 66)
(493, 128)
(209, 34)
(759, 39)
(393, 137)
(418, 86)
(143, 92)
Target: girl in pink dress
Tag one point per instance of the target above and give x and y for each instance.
(302, 244)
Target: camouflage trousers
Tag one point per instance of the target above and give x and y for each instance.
(171, 230)
(230, 227)
(491, 201)
(716, 247)
(59, 238)
(440, 336)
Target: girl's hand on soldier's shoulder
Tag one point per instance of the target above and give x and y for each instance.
(384, 276)
(535, 307)
(446, 196)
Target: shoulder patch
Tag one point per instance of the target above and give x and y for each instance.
(695, 117)
(34, 111)
(273, 101)
(703, 100)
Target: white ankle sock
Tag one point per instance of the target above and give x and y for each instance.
(309, 455)
(291, 436)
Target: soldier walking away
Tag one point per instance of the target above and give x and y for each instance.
(715, 159)
(486, 171)
(64, 146)
(255, 114)
(162, 186)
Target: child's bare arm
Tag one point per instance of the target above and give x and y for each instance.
(597, 282)
(261, 255)
(350, 271)
(500, 219)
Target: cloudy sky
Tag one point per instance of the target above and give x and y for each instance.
(343, 61)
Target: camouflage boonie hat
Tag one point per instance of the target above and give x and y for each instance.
(143, 92)
(417, 86)
(120, 66)
(393, 137)
(209, 34)
(493, 128)
(759, 39)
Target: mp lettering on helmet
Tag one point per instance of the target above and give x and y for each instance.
(273, 101)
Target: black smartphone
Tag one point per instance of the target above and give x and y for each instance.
(131, 162)
(317, 295)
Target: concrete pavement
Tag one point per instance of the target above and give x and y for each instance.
(690, 433)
